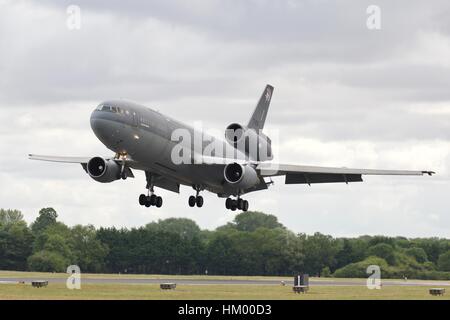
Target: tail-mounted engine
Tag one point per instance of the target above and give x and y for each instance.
(256, 145)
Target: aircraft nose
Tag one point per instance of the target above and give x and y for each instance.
(99, 125)
(106, 128)
(95, 123)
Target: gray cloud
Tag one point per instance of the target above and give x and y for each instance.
(344, 96)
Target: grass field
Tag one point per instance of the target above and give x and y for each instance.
(91, 291)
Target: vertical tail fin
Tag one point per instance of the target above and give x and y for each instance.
(259, 115)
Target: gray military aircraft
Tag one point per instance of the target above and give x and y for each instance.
(144, 139)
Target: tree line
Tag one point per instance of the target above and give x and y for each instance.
(254, 243)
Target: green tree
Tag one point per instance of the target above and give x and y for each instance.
(57, 228)
(326, 272)
(46, 218)
(320, 252)
(384, 251)
(444, 261)
(432, 247)
(47, 261)
(252, 220)
(359, 269)
(185, 228)
(351, 250)
(51, 249)
(16, 240)
(10, 217)
(88, 251)
(417, 253)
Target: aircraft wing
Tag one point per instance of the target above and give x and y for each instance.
(299, 174)
(80, 160)
(83, 161)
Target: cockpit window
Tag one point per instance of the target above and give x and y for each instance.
(106, 107)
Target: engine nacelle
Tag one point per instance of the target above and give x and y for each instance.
(256, 145)
(240, 176)
(102, 170)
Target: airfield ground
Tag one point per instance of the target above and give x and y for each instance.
(109, 286)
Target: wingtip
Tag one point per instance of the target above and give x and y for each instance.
(430, 173)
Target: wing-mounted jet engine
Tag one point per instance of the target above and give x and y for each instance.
(240, 177)
(107, 170)
(102, 170)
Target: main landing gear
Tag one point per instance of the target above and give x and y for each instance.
(151, 199)
(196, 200)
(239, 203)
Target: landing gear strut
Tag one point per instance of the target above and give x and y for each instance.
(197, 199)
(239, 203)
(151, 199)
(123, 170)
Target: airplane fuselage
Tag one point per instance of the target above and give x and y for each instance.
(172, 153)
(145, 135)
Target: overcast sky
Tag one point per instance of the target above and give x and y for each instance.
(345, 95)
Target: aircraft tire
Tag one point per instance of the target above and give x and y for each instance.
(159, 202)
(152, 200)
(142, 199)
(228, 203)
(240, 204)
(245, 205)
(199, 201)
(192, 201)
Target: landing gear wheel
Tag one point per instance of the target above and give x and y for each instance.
(233, 206)
(147, 202)
(245, 205)
(123, 175)
(158, 202)
(142, 199)
(153, 199)
(228, 203)
(192, 201)
(199, 201)
(240, 204)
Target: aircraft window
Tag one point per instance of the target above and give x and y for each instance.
(106, 108)
(114, 109)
